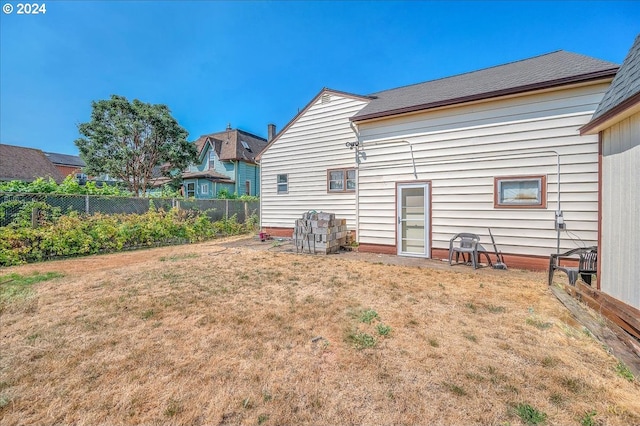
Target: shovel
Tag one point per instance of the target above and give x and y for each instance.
(500, 263)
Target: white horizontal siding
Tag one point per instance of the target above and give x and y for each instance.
(620, 242)
(311, 145)
(448, 146)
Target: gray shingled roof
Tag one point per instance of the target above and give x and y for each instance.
(547, 70)
(25, 164)
(65, 160)
(228, 145)
(625, 84)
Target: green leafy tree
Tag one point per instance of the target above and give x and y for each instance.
(126, 140)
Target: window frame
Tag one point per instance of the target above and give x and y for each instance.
(345, 179)
(212, 159)
(204, 188)
(497, 187)
(247, 187)
(186, 189)
(278, 183)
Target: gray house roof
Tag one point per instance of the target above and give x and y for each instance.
(233, 144)
(545, 71)
(65, 160)
(25, 164)
(624, 91)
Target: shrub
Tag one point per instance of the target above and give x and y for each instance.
(76, 235)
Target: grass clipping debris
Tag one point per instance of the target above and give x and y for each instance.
(201, 334)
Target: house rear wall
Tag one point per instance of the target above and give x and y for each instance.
(445, 143)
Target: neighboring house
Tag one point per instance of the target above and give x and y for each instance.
(67, 164)
(26, 164)
(226, 161)
(617, 123)
(411, 167)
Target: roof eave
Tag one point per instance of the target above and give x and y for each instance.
(598, 75)
(620, 112)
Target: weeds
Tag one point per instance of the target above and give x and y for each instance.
(588, 419)
(470, 337)
(367, 316)
(147, 314)
(623, 371)
(383, 330)
(16, 286)
(530, 415)
(496, 309)
(361, 340)
(455, 389)
(434, 343)
(539, 324)
(173, 408)
(549, 362)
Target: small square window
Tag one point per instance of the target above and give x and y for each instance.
(341, 180)
(520, 191)
(283, 184)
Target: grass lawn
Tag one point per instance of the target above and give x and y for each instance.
(203, 334)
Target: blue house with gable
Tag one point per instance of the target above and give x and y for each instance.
(226, 161)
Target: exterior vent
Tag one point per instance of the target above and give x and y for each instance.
(326, 98)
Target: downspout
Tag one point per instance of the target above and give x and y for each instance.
(354, 127)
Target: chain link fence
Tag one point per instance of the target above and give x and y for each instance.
(13, 205)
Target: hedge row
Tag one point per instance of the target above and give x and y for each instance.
(78, 235)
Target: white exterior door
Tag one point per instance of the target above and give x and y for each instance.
(413, 219)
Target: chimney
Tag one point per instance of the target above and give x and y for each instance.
(271, 131)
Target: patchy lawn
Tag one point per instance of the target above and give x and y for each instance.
(204, 334)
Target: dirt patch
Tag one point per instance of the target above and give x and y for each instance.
(239, 331)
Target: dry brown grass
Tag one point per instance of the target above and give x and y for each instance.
(202, 335)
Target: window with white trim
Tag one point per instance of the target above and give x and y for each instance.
(191, 189)
(247, 187)
(283, 183)
(520, 192)
(204, 188)
(341, 180)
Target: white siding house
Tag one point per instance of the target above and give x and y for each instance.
(460, 151)
(460, 154)
(617, 122)
(296, 163)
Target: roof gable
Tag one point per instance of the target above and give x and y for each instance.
(323, 91)
(545, 71)
(229, 145)
(25, 164)
(622, 95)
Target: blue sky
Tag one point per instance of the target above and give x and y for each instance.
(253, 63)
